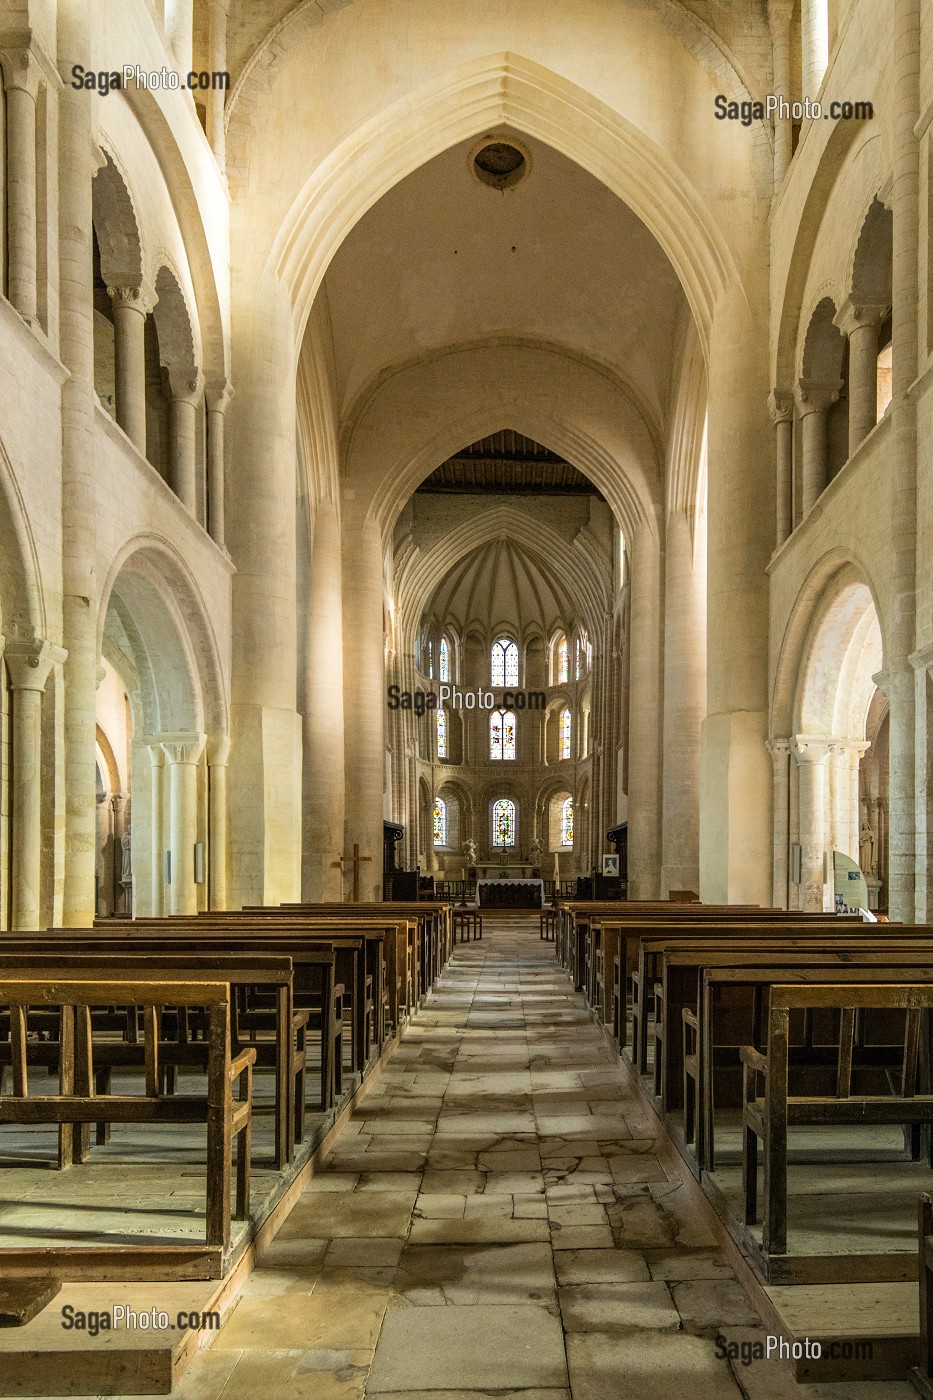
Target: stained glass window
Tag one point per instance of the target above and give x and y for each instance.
(563, 662)
(444, 660)
(502, 734)
(440, 822)
(566, 822)
(504, 662)
(429, 659)
(578, 660)
(442, 733)
(503, 822)
(566, 733)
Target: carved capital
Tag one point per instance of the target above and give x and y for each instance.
(21, 70)
(29, 662)
(218, 393)
(810, 748)
(816, 396)
(778, 748)
(780, 406)
(780, 13)
(182, 746)
(187, 385)
(142, 298)
(853, 315)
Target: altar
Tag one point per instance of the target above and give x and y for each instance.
(510, 894)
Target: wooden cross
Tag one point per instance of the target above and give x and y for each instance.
(356, 858)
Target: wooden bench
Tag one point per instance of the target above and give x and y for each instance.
(771, 1107)
(467, 924)
(922, 1376)
(285, 1054)
(228, 1120)
(547, 925)
(315, 987)
(733, 994)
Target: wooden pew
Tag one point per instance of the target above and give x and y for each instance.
(314, 981)
(770, 1107)
(467, 923)
(227, 1120)
(747, 976)
(922, 1376)
(285, 1054)
(434, 930)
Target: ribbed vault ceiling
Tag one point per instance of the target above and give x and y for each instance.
(501, 584)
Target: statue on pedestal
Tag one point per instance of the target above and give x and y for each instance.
(866, 845)
(469, 850)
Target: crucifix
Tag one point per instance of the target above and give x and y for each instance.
(355, 858)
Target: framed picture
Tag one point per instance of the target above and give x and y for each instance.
(611, 867)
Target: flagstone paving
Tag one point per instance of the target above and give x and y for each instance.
(496, 1218)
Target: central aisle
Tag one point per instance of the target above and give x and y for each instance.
(495, 1218)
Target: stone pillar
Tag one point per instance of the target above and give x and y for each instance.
(131, 306)
(811, 755)
(861, 322)
(780, 757)
(218, 751)
(779, 17)
(684, 707)
(78, 161)
(28, 666)
(839, 796)
(218, 395)
(21, 84)
(815, 45)
(183, 751)
(644, 811)
(365, 698)
(215, 98)
(323, 717)
(735, 814)
(179, 27)
(186, 388)
(781, 409)
(901, 638)
(813, 404)
(265, 756)
(157, 824)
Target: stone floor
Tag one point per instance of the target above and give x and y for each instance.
(496, 1218)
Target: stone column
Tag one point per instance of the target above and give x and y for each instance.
(901, 638)
(217, 47)
(779, 17)
(79, 156)
(779, 750)
(157, 833)
(781, 409)
(21, 83)
(131, 306)
(364, 697)
(684, 707)
(186, 388)
(28, 666)
(735, 817)
(811, 755)
(218, 395)
(644, 791)
(323, 717)
(218, 751)
(814, 401)
(839, 796)
(183, 750)
(179, 26)
(815, 45)
(861, 322)
(265, 756)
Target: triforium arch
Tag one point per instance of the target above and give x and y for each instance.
(161, 657)
(828, 712)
